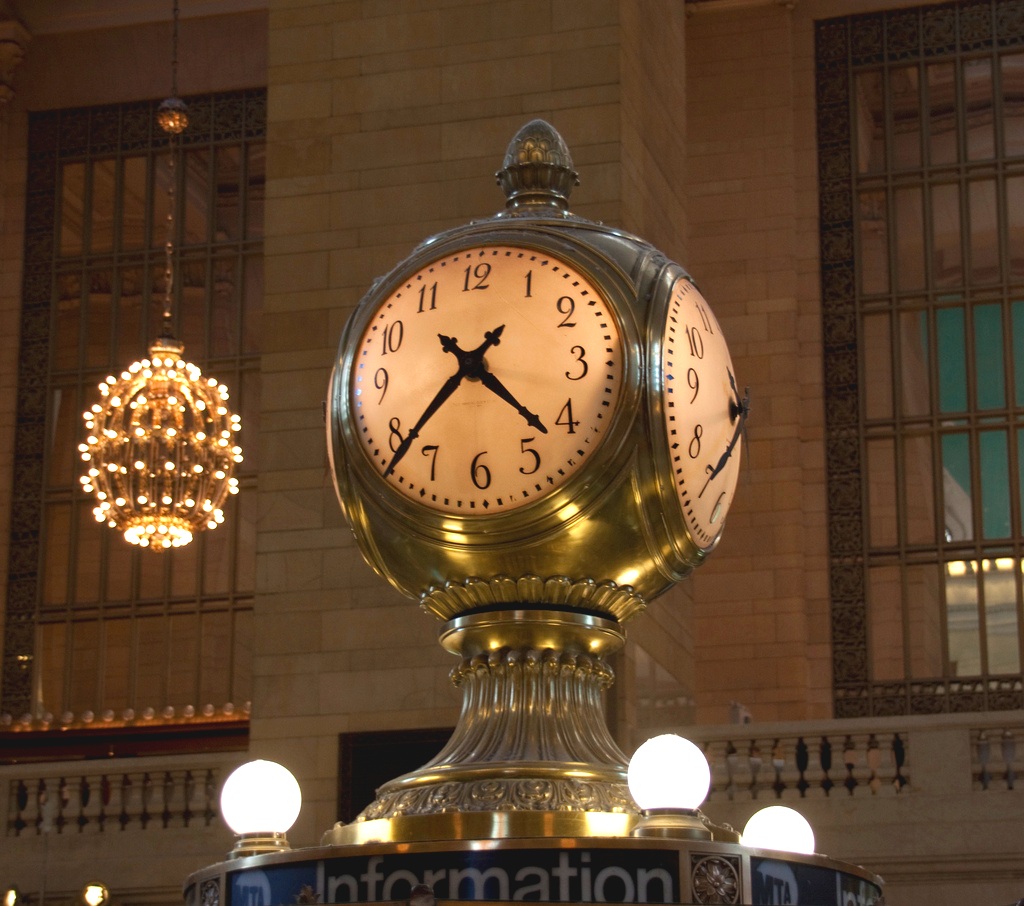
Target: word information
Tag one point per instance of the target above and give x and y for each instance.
(563, 876)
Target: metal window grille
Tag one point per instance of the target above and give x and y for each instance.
(921, 171)
(93, 625)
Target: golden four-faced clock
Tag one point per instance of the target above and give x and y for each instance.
(535, 409)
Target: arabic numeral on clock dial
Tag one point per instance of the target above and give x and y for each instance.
(534, 455)
(431, 451)
(694, 448)
(380, 381)
(580, 353)
(717, 511)
(565, 418)
(693, 382)
(566, 305)
(476, 277)
(479, 472)
(395, 434)
(428, 298)
(391, 339)
(696, 342)
(705, 320)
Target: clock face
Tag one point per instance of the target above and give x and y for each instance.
(703, 411)
(486, 380)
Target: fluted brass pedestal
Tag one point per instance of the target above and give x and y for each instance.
(531, 754)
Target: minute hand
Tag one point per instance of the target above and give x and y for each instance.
(738, 408)
(724, 458)
(492, 383)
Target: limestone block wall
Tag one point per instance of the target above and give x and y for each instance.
(761, 607)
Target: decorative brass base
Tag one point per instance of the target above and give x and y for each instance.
(531, 753)
(258, 844)
(682, 824)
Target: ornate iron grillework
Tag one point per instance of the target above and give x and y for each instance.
(56, 138)
(845, 46)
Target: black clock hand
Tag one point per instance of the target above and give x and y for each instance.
(738, 409)
(473, 360)
(469, 363)
(476, 369)
(492, 383)
(447, 389)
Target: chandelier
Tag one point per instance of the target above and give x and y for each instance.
(160, 448)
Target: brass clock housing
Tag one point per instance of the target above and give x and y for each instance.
(602, 531)
(509, 446)
(559, 524)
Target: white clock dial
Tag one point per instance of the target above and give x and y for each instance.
(704, 412)
(486, 380)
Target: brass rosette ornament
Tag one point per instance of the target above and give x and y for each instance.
(535, 428)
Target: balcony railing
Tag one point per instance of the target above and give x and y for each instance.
(89, 798)
(810, 764)
(860, 758)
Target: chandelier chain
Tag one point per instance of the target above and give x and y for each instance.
(169, 244)
(174, 50)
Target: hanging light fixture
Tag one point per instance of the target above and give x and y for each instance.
(160, 449)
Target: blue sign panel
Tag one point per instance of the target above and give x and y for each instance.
(775, 882)
(554, 875)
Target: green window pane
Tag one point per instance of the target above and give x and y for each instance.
(995, 484)
(1020, 471)
(988, 356)
(952, 364)
(1017, 316)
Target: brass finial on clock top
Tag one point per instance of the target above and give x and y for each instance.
(535, 428)
(537, 170)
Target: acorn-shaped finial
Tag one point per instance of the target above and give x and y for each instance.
(537, 169)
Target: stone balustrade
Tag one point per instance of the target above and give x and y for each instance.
(816, 763)
(928, 802)
(94, 798)
(859, 758)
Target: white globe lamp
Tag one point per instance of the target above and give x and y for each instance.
(95, 894)
(260, 802)
(669, 778)
(780, 828)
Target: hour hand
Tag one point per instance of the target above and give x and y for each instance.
(493, 384)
